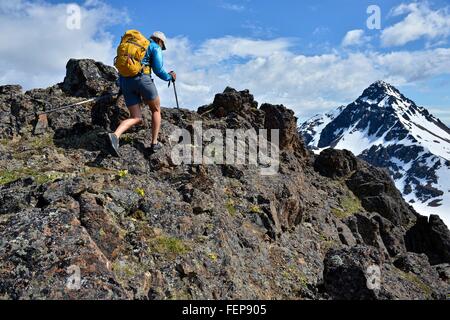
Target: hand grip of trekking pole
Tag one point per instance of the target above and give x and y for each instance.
(173, 75)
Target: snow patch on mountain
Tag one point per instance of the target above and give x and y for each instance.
(427, 133)
(389, 130)
(319, 122)
(355, 140)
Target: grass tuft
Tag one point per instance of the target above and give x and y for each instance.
(349, 206)
(168, 245)
(230, 207)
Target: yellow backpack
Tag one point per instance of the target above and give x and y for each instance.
(130, 53)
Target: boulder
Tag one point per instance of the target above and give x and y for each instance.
(366, 231)
(231, 101)
(88, 78)
(346, 273)
(334, 163)
(430, 236)
(377, 192)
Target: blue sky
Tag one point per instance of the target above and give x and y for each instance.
(310, 55)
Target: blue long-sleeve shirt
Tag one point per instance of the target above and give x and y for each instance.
(154, 59)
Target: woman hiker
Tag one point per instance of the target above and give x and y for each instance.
(142, 88)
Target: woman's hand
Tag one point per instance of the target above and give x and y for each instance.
(174, 75)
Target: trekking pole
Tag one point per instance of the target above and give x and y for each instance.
(42, 119)
(69, 106)
(175, 91)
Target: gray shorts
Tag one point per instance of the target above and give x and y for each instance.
(137, 89)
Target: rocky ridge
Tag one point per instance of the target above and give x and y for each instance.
(140, 227)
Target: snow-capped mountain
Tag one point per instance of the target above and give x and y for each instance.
(389, 130)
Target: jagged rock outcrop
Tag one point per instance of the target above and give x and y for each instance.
(336, 163)
(372, 185)
(142, 227)
(87, 78)
(430, 236)
(231, 102)
(279, 117)
(351, 274)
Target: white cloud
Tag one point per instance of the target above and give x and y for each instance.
(420, 22)
(354, 38)
(233, 7)
(221, 49)
(35, 43)
(275, 73)
(410, 67)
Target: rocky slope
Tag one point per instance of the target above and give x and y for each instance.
(140, 227)
(389, 130)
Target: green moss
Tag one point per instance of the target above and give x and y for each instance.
(326, 243)
(31, 144)
(130, 271)
(339, 213)
(7, 176)
(125, 270)
(415, 280)
(168, 245)
(255, 209)
(349, 206)
(102, 233)
(41, 142)
(180, 295)
(23, 156)
(127, 139)
(48, 177)
(303, 281)
(230, 207)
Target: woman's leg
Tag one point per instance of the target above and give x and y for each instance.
(135, 119)
(155, 108)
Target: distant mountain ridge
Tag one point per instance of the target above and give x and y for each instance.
(389, 130)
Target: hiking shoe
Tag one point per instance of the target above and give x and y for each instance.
(114, 143)
(156, 147)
